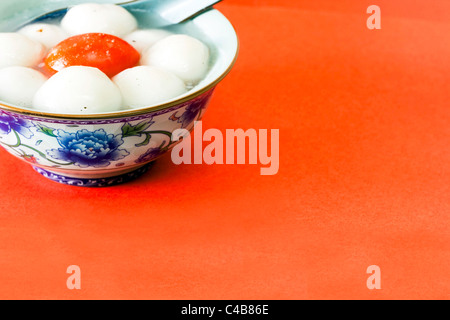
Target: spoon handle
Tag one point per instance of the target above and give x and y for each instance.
(161, 13)
(177, 11)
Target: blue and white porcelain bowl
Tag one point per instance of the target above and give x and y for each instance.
(111, 148)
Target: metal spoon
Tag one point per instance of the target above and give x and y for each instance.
(156, 13)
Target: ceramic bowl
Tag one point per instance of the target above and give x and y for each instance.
(107, 149)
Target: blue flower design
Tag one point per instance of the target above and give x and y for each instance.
(193, 110)
(151, 154)
(8, 123)
(88, 149)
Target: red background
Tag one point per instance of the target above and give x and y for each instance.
(363, 180)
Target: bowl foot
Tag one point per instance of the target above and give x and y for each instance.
(94, 182)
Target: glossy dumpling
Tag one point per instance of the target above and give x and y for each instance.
(47, 34)
(18, 85)
(78, 90)
(19, 50)
(143, 39)
(183, 55)
(145, 86)
(99, 18)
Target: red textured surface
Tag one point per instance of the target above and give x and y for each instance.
(364, 176)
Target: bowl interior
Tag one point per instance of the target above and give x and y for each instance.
(211, 27)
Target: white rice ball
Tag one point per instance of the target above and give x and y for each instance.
(18, 85)
(78, 90)
(19, 50)
(145, 86)
(143, 39)
(185, 56)
(99, 18)
(47, 34)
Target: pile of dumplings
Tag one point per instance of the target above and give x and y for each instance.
(170, 65)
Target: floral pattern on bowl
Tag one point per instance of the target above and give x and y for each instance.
(81, 152)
